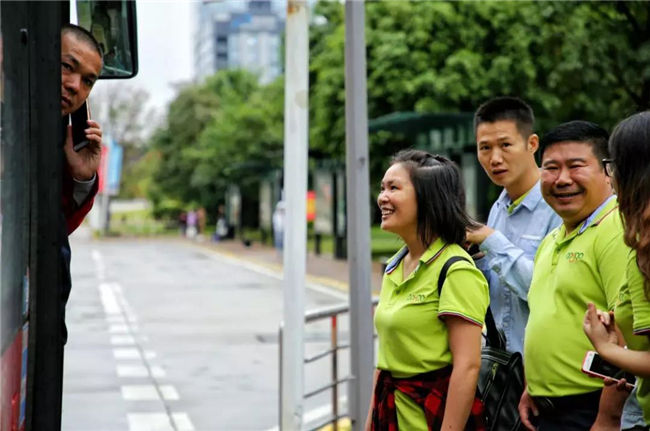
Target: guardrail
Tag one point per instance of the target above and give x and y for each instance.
(333, 313)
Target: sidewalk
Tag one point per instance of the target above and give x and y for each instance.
(323, 269)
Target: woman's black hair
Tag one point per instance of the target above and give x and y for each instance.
(439, 194)
(629, 146)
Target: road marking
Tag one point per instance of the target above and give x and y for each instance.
(116, 320)
(126, 353)
(118, 329)
(109, 301)
(149, 422)
(159, 422)
(123, 325)
(182, 422)
(149, 393)
(140, 393)
(169, 392)
(122, 340)
(140, 371)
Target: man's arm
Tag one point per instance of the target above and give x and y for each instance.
(80, 175)
(507, 260)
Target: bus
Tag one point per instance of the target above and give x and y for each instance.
(31, 161)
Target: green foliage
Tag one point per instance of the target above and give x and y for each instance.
(569, 60)
(225, 130)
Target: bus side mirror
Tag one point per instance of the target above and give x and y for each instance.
(113, 24)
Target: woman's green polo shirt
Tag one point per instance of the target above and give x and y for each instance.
(633, 317)
(413, 337)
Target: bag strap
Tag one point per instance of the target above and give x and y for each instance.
(494, 337)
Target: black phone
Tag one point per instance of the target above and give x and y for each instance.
(473, 249)
(79, 121)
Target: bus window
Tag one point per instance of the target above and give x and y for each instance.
(112, 23)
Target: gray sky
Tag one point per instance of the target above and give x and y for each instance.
(165, 30)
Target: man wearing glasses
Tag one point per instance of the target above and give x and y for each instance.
(581, 261)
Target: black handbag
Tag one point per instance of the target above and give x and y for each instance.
(501, 378)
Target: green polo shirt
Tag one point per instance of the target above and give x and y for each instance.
(571, 270)
(633, 317)
(413, 337)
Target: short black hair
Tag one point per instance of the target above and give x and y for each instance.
(578, 131)
(83, 35)
(506, 108)
(439, 194)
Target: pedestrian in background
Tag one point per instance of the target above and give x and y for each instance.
(429, 343)
(278, 224)
(629, 167)
(192, 220)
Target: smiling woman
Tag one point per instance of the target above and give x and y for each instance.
(422, 200)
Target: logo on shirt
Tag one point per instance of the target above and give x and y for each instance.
(574, 256)
(415, 298)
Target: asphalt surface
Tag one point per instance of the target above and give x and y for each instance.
(167, 335)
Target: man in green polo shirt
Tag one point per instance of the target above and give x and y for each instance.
(581, 261)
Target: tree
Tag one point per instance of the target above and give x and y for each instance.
(228, 129)
(124, 115)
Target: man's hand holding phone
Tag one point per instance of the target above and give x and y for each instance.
(83, 154)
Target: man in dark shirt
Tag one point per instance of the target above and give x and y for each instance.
(81, 64)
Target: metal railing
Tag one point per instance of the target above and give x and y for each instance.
(333, 313)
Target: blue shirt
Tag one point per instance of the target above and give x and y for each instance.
(508, 262)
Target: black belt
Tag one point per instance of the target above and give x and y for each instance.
(548, 405)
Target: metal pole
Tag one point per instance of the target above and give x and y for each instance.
(295, 233)
(334, 343)
(358, 214)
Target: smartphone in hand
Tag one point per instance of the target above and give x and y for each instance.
(79, 121)
(596, 366)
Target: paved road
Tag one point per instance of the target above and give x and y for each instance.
(164, 335)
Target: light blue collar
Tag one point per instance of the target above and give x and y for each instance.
(593, 215)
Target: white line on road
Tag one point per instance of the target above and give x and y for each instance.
(149, 393)
(126, 353)
(122, 340)
(118, 329)
(123, 324)
(140, 371)
(109, 301)
(182, 422)
(159, 422)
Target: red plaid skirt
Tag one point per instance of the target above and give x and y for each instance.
(429, 391)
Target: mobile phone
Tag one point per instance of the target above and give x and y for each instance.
(473, 249)
(79, 121)
(596, 366)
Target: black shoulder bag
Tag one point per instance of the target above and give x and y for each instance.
(501, 379)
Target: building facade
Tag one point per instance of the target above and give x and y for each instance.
(239, 34)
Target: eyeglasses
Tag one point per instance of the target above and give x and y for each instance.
(609, 166)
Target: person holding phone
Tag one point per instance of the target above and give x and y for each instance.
(429, 343)
(81, 64)
(629, 167)
(579, 262)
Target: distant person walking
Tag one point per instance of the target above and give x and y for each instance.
(192, 220)
(429, 342)
(278, 225)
